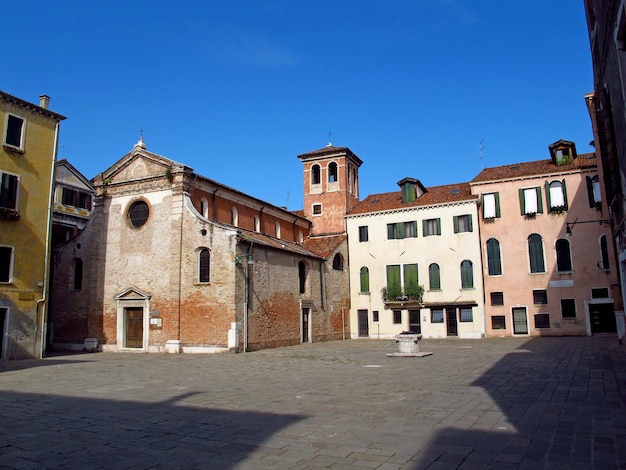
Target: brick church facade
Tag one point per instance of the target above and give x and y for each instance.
(172, 261)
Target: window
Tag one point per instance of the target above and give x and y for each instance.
(375, 315)
(494, 263)
(257, 224)
(530, 201)
(491, 206)
(436, 315)
(338, 262)
(467, 314)
(600, 293)
(397, 317)
(467, 275)
(204, 207)
(78, 274)
(277, 230)
(204, 265)
(401, 230)
(317, 209)
(315, 174)
(535, 253)
(14, 135)
(9, 191)
(540, 297)
(302, 276)
(498, 322)
(568, 308)
(593, 191)
(364, 275)
(138, 213)
(410, 229)
(434, 277)
(74, 198)
(332, 172)
(6, 263)
(556, 196)
(431, 227)
(563, 256)
(497, 299)
(394, 287)
(234, 217)
(542, 320)
(363, 233)
(462, 223)
(604, 254)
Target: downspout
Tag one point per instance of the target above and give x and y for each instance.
(43, 301)
(249, 261)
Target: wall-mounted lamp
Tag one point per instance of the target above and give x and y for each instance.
(241, 258)
(570, 225)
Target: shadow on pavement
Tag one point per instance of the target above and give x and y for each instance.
(554, 406)
(68, 432)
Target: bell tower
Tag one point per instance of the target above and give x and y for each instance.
(331, 187)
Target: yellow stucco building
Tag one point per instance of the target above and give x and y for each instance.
(29, 135)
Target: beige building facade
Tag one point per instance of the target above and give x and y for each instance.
(415, 263)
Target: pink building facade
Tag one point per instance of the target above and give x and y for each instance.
(548, 256)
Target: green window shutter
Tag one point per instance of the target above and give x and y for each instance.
(411, 279)
(438, 226)
(434, 277)
(535, 251)
(415, 227)
(365, 279)
(425, 227)
(522, 203)
(390, 232)
(455, 220)
(565, 195)
(470, 223)
(548, 198)
(393, 280)
(592, 199)
(494, 262)
(400, 229)
(497, 197)
(539, 203)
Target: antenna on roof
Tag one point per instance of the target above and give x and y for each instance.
(481, 147)
(330, 144)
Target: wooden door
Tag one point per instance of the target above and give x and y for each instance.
(134, 327)
(305, 325)
(451, 322)
(364, 329)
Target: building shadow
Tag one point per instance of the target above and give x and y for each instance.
(51, 431)
(551, 404)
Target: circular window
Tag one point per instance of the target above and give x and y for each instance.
(138, 213)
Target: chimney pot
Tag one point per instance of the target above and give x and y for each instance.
(44, 101)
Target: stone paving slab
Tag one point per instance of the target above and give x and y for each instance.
(473, 404)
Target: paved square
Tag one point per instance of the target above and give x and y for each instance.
(474, 404)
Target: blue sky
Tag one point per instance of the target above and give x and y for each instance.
(237, 89)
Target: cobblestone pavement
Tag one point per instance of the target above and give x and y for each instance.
(474, 404)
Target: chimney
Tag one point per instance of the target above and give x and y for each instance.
(44, 101)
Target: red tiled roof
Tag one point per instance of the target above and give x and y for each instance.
(536, 168)
(277, 243)
(330, 150)
(448, 193)
(324, 246)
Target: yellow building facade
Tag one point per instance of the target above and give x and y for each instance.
(28, 154)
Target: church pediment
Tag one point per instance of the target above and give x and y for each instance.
(132, 293)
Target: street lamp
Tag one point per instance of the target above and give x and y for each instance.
(570, 225)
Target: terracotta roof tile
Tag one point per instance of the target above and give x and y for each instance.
(277, 243)
(324, 246)
(535, 168)
(448, 193)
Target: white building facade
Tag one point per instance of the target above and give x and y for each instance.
(415, 263)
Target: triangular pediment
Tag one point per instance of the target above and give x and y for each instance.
(66, 174)
(132, 293)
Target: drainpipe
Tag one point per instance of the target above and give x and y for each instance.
(42, 302)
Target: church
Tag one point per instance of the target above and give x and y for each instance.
(172, 261)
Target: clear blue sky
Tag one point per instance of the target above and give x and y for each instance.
(237, 89)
